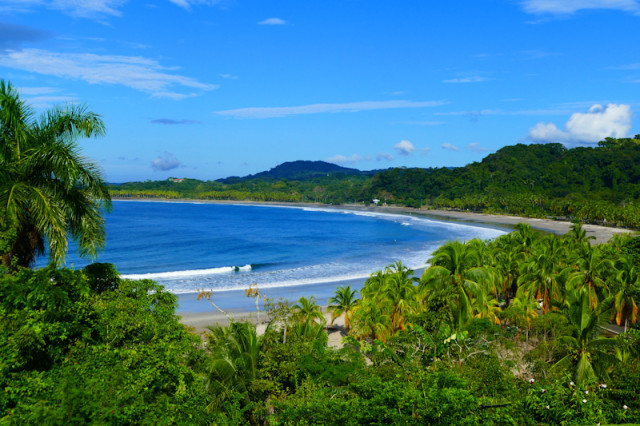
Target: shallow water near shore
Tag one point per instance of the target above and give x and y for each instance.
(288, 251)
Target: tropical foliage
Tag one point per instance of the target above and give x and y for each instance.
(48, 190)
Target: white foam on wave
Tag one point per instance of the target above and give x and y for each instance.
(186, 274)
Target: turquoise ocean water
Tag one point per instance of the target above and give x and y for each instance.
(287, 251)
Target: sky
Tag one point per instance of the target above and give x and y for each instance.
(215, 88)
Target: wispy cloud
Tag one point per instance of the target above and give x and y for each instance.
(45, 97)
(272, 21)
(404, 147)
(341, 159)
(170, 121)
(188, 4)
(471, 79)
(568, 7)
(271, 112)
(228, 76)
(590, 127)
(135, 72)
(165, 162)
(384, 156)
(425, 150)
(475, 147)
(450, 147)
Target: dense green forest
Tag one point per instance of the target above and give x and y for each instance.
(512, 331)
(595, 185)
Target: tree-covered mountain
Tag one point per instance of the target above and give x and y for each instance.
(298, 170)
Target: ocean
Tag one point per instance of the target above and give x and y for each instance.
(287, 251)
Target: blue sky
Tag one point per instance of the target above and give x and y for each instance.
(210, 89)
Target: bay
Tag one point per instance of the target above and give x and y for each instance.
(191, 246)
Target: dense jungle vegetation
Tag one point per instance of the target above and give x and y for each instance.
(595, 185)
(511, 331)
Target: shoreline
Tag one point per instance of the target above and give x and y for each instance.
(199, 314)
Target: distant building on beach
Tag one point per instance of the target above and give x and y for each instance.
(177, 180)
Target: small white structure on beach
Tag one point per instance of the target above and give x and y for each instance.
(376, 201)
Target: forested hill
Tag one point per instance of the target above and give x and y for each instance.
(298, 170)
(594, 184)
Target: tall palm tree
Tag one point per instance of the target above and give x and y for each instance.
(343, 302)
(455, 265)
(400, 290)
(539, 276)
(48, 190)
(627, 294)
(590, 272)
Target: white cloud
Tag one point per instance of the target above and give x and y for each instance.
(567, 7)
(341, 159)
(404, 147)
(475, 147)
(425, 150)
(168, 162)
(473, 79)
(273, 21)
(384, 156)
(186, 4)
(229, 76)
(450, 147)
(135, 72)
(590, 127)
(271, 112)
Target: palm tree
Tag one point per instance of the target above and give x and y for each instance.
(234, 357)
(400, 290)
(372, 318)
(539, 276)
(48, 190)
(456, 265)
(591, 268)
(627, 294)
(587, 354)
(343, 302)
(308, 309)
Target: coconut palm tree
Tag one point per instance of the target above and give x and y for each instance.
(308, 309)
(343, 303)
(400, 290)
(48, 190)
(234, 357)
(455, 265)
(590, 272)
(627, 294)
(372, 318)
(587, 354)
(539, 276)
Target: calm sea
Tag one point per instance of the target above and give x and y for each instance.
(189, 247)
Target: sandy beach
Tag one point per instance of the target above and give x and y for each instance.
(205, 314)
